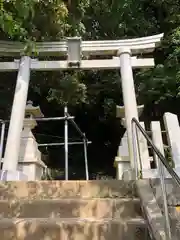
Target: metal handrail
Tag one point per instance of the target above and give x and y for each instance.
(171, 171)
(161, 161)
(3, 126)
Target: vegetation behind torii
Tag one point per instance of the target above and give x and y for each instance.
(93, 95)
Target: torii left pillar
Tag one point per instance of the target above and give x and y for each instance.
(11, 157)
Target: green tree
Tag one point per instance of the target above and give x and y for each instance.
(93, 95)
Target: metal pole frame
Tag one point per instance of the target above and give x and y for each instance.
(66, 118)
(62, 144)
(75, 125)
(46, 119)
(85, 144)
(66, 142)
(85, 157)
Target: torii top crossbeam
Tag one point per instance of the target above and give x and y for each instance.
(77, 51)
(108, 47)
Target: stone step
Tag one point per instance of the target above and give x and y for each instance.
(174, 217)
(71, 229)
(172, 191)
(67, 189)
(67, 208)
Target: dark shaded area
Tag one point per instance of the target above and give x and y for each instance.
(101, 153)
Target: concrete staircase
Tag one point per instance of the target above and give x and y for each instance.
(70, 210)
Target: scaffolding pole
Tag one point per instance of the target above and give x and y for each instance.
(66, 142)
(61, 144)
(85, 145)
(85, 157)
(75, 125)
(45, 119)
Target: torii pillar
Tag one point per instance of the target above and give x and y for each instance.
(129, 96)
(11, 157)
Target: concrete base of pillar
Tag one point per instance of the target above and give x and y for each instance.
(122, 165)
(128, 175)
(6, 175)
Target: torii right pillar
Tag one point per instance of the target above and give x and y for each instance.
(129, 96)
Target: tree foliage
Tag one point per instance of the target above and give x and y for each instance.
(33, 19)
(93, 95)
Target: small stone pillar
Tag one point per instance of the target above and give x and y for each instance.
(122, 160)
(30, 162)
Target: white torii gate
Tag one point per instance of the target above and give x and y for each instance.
(76, 51)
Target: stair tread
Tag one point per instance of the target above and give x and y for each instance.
(66, 189)
(125, 199)
(138, 219)
(100, 208)
(71, 228)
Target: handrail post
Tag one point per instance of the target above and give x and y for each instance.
(158, 141)
(165, 203)
(136, 151)
(3, 125)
